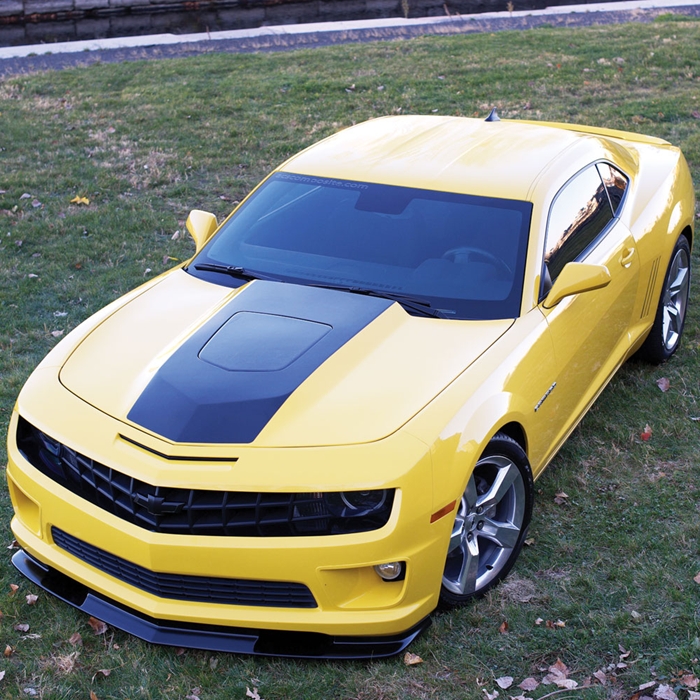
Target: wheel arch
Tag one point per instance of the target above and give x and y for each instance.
(688, 233)
(515, 431)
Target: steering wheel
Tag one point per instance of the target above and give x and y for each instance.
(465, 254)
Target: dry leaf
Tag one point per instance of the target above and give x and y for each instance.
(503, 629)
(32, 276)
(13, 545)
(32, 692)
(14, 587)
(693, 695)
(147, 271)
(56, 334)
(104, 672)
(529, 684)
(689, 680)
(529, 541)
(644, 686)
(8, 651)
(539, 621)
(26, 195)
(490, 696)
(560, 498)
(696, 578)
(554, 625)
(75, 639)
(504, 682)
(559, 667)
(22, 627)
(2, 675)
(93, 696)
(665, 692)
(695, 114)
(412, 659)
(600, 677)
(664, 384)
(175, 235)
(646, 434)
(252, 693)
(36, 203)
(80, 200)
(98, 627)
(558, 673)
(31, 599)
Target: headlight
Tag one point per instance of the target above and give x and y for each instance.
(352, 504)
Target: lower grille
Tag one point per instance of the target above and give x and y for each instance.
(200, 589)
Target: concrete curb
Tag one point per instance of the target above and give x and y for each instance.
(428, 25)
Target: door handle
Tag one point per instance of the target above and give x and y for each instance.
(626, 257)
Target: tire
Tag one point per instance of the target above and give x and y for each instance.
(491, 523)
(665, 335)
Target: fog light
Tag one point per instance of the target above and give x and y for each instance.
(390, 571)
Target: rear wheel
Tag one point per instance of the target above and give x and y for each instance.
(665, 335)
(491, 522)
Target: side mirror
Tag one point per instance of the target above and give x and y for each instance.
(576, 278)
(201, 224)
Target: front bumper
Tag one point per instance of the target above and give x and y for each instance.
(357, 614)
(301, 645)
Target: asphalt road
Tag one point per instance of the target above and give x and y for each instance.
(279, 39)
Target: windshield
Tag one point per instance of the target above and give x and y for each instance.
(463, 255)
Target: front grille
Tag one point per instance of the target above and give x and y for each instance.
(200, 589)
(180, 511)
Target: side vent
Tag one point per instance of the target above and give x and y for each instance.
(649, 296)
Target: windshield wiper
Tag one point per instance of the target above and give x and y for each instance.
(235, 271)
(419, 306)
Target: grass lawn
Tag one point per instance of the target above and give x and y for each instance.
(609, 573)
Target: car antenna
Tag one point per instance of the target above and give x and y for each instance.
(493, 116)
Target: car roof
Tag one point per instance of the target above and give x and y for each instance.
(452, 154)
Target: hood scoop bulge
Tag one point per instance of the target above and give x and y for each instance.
(258, 342)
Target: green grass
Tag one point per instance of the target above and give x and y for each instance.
(146, 142)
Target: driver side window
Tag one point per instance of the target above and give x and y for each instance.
(580, 213)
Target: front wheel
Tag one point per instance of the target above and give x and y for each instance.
(665, 335)
(491, 522)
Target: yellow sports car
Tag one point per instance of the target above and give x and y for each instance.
(329, 420)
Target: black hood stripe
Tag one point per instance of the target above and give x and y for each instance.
(226, 382)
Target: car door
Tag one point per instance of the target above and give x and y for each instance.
(589, 330)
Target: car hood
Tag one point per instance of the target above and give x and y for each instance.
(269, 363)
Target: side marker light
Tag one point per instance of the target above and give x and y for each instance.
(443, 511)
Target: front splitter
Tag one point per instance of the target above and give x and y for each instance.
(298, 645)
